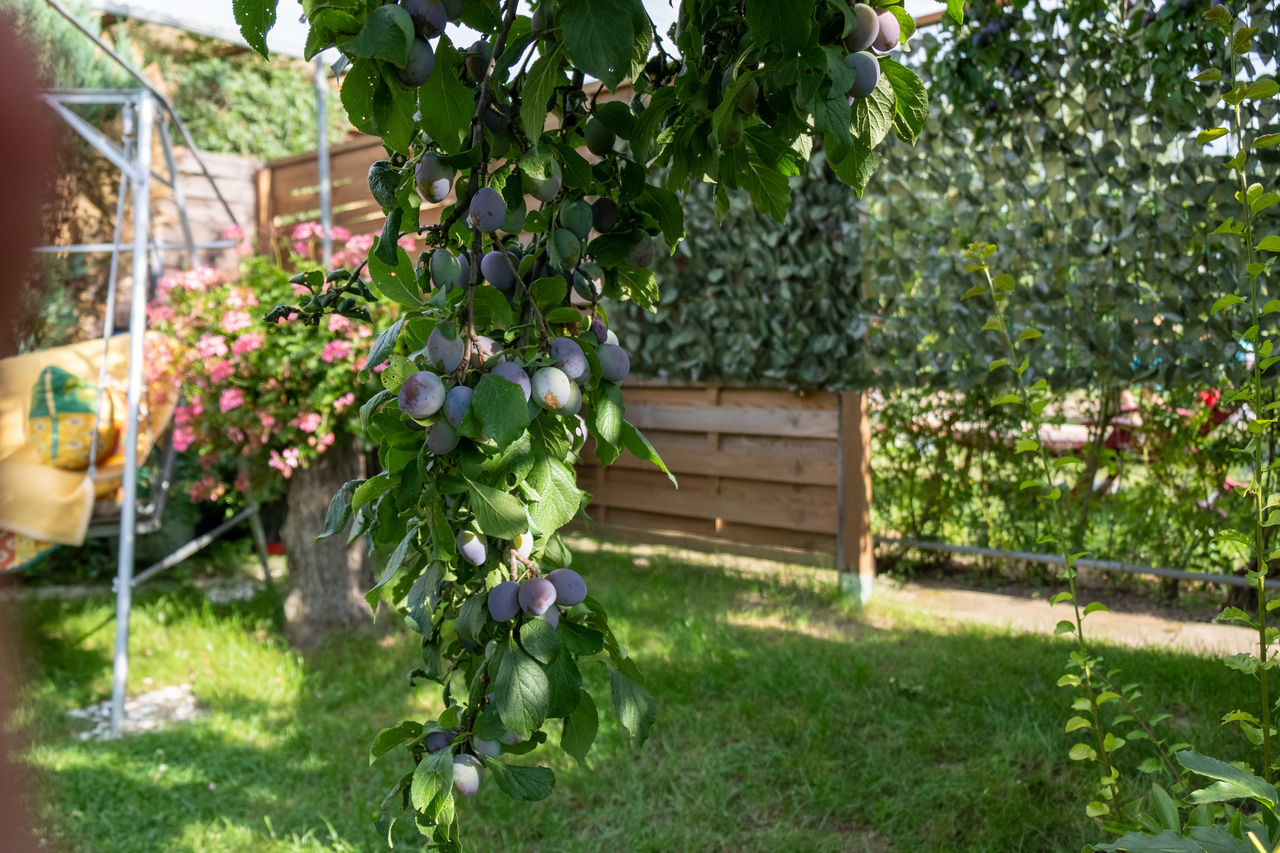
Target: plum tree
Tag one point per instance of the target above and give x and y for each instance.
(477, 59)
(428, 16)
(551, 388)
(576, 216)
(599, 329)
(504, 601)
(537, 596)
(600, 139)
(491, 748)
(446, 270)
(434, 178)
(421, 394)
(437, 741)
(546, 188)
(615, 364)
(571, 589)
(604, 215)
(890, 32)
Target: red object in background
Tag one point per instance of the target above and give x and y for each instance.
(1210, 398)
(275, 549)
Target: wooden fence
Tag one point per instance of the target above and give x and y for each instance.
(755, 467)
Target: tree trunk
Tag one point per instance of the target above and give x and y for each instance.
(327, 580)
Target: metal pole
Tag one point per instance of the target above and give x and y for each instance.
(137, 329)
(322, 160)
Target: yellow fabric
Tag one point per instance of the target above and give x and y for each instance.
(48, 504)
(61, 422)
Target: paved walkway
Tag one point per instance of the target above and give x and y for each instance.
(1036, 616)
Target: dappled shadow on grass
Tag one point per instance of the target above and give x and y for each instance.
(785, 723)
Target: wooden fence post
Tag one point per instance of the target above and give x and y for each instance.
(855, 559)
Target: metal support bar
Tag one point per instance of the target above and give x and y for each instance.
(322, 165)
(1058, 560)
(195, 545)
(137, 327)
(103, 144)
(179, 197)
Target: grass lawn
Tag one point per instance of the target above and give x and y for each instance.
(787, 722)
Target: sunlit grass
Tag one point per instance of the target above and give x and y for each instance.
(788, 722)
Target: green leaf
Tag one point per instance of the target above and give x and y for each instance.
(528, 784)
(1026, 445)
(1206, 136)
(388, 739)
(395, 562)
(1077, 723)
(1166, 842)
(521, 691)
(580, 728)
(635, 708)
(1232, 782)
(599, 35)
(1267, 140)
(387, 35)
(339, 512)
(579, 639)
(607, 421)
(955, 8)
(538, 89)
(559, 495)
(445, 104)
(497, 513)
(1270, 243)
(856, 166)
(911, 99)
(397, 283)
(383, 346)
(255, 19)
(1082, 752)
(432, 778)
(640, 448)
(1094, 607)
(500, 407)
(786, 23)
(539, 639)
(1064, 627)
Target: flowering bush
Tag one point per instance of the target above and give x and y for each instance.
(260, 399)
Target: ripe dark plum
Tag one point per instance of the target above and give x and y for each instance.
(456, 402)
(551, 388)
(477, 59)
(545, 189)
(537, 596)
(437, 741)
(571, 589)
(604, 215)
(422, 61)
(485, 348)
(513, 372)
(471, 547)
(429, 17)
(446, 272)
(496, 270)
(569, 357)
(466, 774)
(615, 364)
(504, 601)
(444, 353)
(865, 29)
(496, 120)
(551, 617)
(867, 69)
(464, 268)
(890, 32)
(442, 438)
(487, 210)
(600, 139)
(434, 178)
(598, 329)
(421, 395)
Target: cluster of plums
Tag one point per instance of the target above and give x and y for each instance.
(467, 767)
(875, 31)
(538, 597)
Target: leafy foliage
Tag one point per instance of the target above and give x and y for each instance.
(471, 517)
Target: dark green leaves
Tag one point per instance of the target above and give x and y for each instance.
(558, 494)
(499, 407)
(784, 22)
(599, 35)
(255, 18)
(521, 691)
(339, 512)
(388, 739)
(497, 512)
(911, 107)
(432, 778)
(580, 728)
(539, 88)
(539, 639)
(386, 35)
(1232, 782)
(445, 104)
(607, 422)
(640, 447)
(635, 707)
(397, 283)
(521, 783)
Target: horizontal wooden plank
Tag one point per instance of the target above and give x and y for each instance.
(780, 469)
(736, 419)
(648, 477)
(819, 542)
(764, 399)
(825, 449)
(813, 519)
(652, 520)
(696, 542)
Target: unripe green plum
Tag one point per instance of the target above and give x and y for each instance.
(444, 353)
(442, 438)
(890, 32)
(513, 372)
(615, 364)
(491, 748)
(546, 189)
(749, 97)
(434, 178)
(576, 216)
(604, 215)
(551, 388)
(867, 69)
(537, 596)
(456, 402)
(472, 548)
(865, 28)
(487, 210)
(568, 246)
(569, 357)
(504, 601)
(730, 136)
(600, 139)
(421, 395)
(496, 270)
(466, 774)
(571, 589)
(477, 58)
(422, 61)
(446, 270)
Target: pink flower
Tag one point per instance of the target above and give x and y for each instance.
(361, 243)
(211, 346)
(293, 315)
(344, 401)
(306, 230)
(232, 232)
(183, 438)
(300, 290)
(338, 323)
(267, 421)
(326, 441)
(335, 350)
(309, 422)
(235, 434)
(231, 398)
(284, 462)
(221, 371)
(234, 321)
(242, 297)
(248, 343)
(406, 242)
(378, 368)
(337, 232)
(242, 483)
